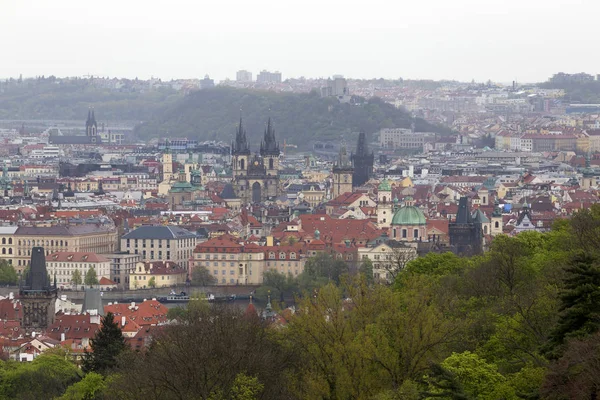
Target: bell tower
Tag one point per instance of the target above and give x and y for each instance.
(497, 222)
(342, 173)
(384, 204)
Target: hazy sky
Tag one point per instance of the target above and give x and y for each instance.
(502, 40)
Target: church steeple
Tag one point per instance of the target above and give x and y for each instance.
(240, 145)
(363, 161)
(269, 145)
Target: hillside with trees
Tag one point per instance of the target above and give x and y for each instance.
(60, 99)
(519, 322)
(577, 92)
(206, 114)
(299, 118)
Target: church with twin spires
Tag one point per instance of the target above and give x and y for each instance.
(255, 176)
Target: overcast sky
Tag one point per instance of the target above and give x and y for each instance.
(502, 40)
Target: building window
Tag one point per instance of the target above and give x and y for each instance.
(416, 233)
(404, 234)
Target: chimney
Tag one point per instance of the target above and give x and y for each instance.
(62, 337)
(123, 321)
(132, 304)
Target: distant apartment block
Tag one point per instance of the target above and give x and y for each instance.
(243, 76)
(207, 83)
(338, 87)
(268, 77)
(404, 139)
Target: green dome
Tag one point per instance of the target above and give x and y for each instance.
(385, 186)
(409, 215)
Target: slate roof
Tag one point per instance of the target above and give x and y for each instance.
(167, 232)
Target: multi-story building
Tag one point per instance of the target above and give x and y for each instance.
(243, 76)
(63, 264)
(404, 139)
(388, 259)
(268, 77)
(7, 248)
(122, 264)
(160, 243)
(164, 273)
(233, 263)
(60, 238)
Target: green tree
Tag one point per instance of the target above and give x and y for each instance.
(201, 276)
(152, 282)
(106, 346)
(480, 379)
(246, 387)
(91, 278)
(580, 304)
(8, 275)
(76, 278)
(366, 270)
(326, 266)
(46, 377)
(92, 386)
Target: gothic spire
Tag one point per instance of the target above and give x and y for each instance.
(241, 142)
(269, 145)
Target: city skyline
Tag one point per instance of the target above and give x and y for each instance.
(461, 41)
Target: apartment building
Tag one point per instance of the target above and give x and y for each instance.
(63, 264)
(161, 243)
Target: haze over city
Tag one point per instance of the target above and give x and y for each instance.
(437, 39)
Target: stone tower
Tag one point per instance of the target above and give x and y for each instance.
(269, 150)
(342, 173)
(91, 127)
(466, 235)
(37, 295)
(363, 161)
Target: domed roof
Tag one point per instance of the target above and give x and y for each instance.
(385, 186)
(409, 215)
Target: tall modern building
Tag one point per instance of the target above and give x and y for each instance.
(243, 76)
(255, 177)
(268, 77)
(37, 295)
(363, 161)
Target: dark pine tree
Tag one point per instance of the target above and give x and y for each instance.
(445, 385)
(580, 304)
(106, 346)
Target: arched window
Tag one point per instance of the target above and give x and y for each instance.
(4, 250)
(496, 224)
(10, 251)
(415, 233)
(3, 240)
(404, 233)
(9, 240)
(242, 164)
(384, 199)
(270, 163)
(485, 231)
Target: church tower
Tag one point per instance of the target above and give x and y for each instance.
(38, 296)
(497, 222)
(342, 173)
(91, 127)
(363, 161)
(384, 204)
(269, 151)
(167, 163)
